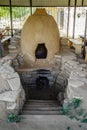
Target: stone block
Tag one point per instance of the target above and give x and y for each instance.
(82, 74)
(4, 86)
(11, 106)
(14, 83)
(73, 76)
(13, 75)
(10, 96)
(75, 83)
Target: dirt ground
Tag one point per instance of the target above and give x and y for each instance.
(44, 122)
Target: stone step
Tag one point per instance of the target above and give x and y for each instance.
(41, 107)
(40, 112)
(41, 101)
(42, 104)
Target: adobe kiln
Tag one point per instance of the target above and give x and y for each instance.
(40, 39)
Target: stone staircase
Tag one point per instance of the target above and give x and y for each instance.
(41, 107)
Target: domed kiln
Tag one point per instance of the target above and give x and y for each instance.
(40, 38)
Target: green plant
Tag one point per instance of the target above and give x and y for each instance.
(13, 118)
(79, 15)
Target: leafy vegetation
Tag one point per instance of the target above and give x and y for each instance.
(13, 118)
(73, 110)
(17, 12)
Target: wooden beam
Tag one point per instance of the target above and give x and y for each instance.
(68, 17)
(11, 19)
(74, 20)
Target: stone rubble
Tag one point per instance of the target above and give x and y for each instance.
(12, 95)
(76, 73)
(15, 43)
(72, 77)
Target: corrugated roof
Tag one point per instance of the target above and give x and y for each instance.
(43, 3)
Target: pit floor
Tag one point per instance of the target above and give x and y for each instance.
(39, 122)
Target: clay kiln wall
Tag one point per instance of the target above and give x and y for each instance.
(40, 28)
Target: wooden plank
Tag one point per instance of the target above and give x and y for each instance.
(76, 44)
(75, 41)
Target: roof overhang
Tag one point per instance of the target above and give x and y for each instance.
(44, 3)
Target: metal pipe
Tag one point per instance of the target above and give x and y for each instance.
(68, 17)
(85, 27)
(31, 7)
(82, 2)
(74, 20)
(11, 19)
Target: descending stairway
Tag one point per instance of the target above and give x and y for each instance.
(40, 107)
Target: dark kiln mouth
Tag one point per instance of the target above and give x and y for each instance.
(41, 51)
(42, 82)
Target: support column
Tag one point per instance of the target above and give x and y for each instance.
(31, 7)
(68, 17)
(85, 27)
(74, 18)
(85, 37)
(11, 21)
(82, 2)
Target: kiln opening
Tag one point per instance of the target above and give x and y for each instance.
(42, 82)
(41, 51)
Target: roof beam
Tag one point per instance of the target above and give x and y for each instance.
(42, 3)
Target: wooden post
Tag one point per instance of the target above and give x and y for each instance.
(74, 20)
